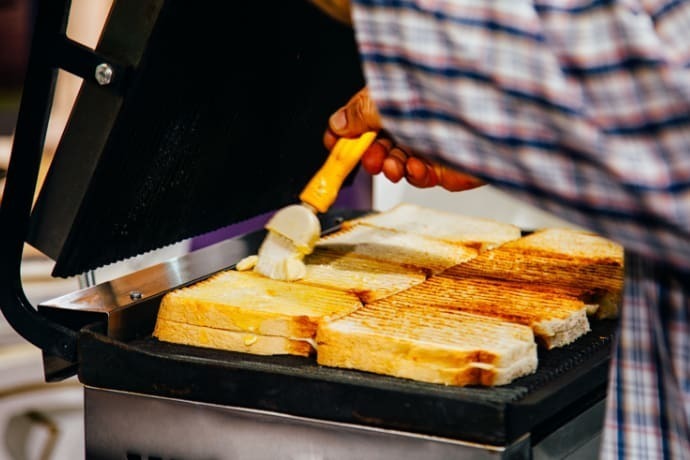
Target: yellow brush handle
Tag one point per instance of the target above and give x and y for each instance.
(323, 188)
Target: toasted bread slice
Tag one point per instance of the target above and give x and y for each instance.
(436, 345)
(555, 319)
(471, 231)
(586, 264)
(369, 279)
(249, 302)
(402, 248)
(208, 337)
(572, 243)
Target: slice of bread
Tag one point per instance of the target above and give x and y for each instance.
(471, 231)
(397, 247)
(555, 319)
(249, 302)
(436, 345)
(572, 243)
(369, 279)
(581, 262)
(246, 342)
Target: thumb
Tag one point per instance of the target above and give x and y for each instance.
(357, 116)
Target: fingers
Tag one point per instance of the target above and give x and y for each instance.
(354, 118)
(424, 174)
(373, 158)
(383, 156)
(329, 139)
(394, 162)
(420, 173)
(456, 181)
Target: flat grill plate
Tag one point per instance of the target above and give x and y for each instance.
(568, 379)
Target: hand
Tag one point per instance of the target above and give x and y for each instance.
(384, 155)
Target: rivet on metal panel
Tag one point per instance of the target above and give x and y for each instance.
(103, 74)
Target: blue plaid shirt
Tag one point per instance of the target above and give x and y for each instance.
(583, 108)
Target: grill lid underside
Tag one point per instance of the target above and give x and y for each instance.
(220, 119)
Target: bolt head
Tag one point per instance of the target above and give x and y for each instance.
(103, 74)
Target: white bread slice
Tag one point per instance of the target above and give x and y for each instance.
(583, 263)
(402, 248)
(247, 301)
(369, 279)
(471, 231)
(208, 337)
(555, 319)
(436, 345)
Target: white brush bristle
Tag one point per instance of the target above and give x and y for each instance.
(280, 259)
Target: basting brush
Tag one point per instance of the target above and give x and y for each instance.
(294, 230)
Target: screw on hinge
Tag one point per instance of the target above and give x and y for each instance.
(103, 74)
(135, 295)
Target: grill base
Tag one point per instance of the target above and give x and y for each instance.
(572, 377)
(142, 426)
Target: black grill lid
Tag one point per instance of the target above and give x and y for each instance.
(218, 118)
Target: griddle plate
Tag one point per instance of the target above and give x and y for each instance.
(567, 378)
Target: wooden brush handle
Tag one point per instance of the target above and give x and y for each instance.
(323, 188)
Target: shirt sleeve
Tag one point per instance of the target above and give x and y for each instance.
(581, 107)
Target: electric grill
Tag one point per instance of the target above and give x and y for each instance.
(193, 116)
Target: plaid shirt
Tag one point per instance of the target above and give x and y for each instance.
(583, 108)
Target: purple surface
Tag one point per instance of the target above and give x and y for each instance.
(356, 196)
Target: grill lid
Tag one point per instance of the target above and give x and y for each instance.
(218, 118)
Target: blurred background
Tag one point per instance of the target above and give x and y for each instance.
(45, 421)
